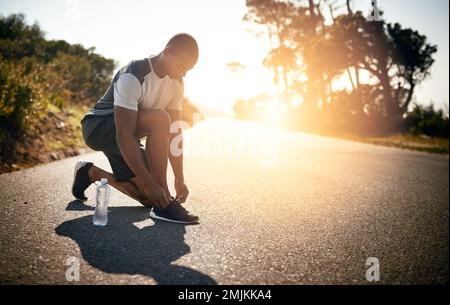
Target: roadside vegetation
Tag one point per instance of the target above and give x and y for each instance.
(46, 86)
(317, 45)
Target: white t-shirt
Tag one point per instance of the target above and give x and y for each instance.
(152, 93)
(136, 86)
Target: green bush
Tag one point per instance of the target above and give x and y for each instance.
(35, 72)
(84, 75)
(427, 121)
(16, 96)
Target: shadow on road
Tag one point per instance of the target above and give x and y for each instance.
(76, 205)
(126, 247)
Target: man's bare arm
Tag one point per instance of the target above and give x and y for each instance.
(126, 122)
(176, 161)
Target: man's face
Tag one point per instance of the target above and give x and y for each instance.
(178, 64)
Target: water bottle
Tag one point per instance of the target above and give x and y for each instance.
(101, 210)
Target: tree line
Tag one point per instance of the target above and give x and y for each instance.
(36, 72)
(382, 62)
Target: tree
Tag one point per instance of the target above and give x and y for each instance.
(86, 74)
(280, 20)
(17, 39)
(35, 72)
(412, 57)
(311, 54)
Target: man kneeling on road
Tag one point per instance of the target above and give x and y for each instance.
(143, 99)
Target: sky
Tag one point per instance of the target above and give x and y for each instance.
(133, 29)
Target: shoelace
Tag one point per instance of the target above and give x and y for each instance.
(176, 206)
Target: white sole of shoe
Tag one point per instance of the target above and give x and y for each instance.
(77, 167)
(154, 216)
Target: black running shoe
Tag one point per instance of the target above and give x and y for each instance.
(174, 212)
(81, 180)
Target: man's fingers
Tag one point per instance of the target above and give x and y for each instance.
(165, 199)
(183, 196)
(162, 203)
(178, 197)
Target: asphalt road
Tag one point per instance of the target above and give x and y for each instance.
(276, 207)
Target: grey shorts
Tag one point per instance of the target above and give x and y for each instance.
(99, 133)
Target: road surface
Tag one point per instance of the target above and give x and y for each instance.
(276, 207)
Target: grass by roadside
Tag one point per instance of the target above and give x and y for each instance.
(57, 136)
(406, 141)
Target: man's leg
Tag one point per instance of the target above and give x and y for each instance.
(155, 124)
(127, 187)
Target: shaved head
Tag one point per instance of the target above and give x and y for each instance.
(184, 44)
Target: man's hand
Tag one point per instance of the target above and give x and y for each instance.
(182, 190)
(154, 193)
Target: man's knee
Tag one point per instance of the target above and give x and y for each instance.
(157, 120)
(163, 119)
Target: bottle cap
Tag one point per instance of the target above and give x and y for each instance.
(104, 181)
